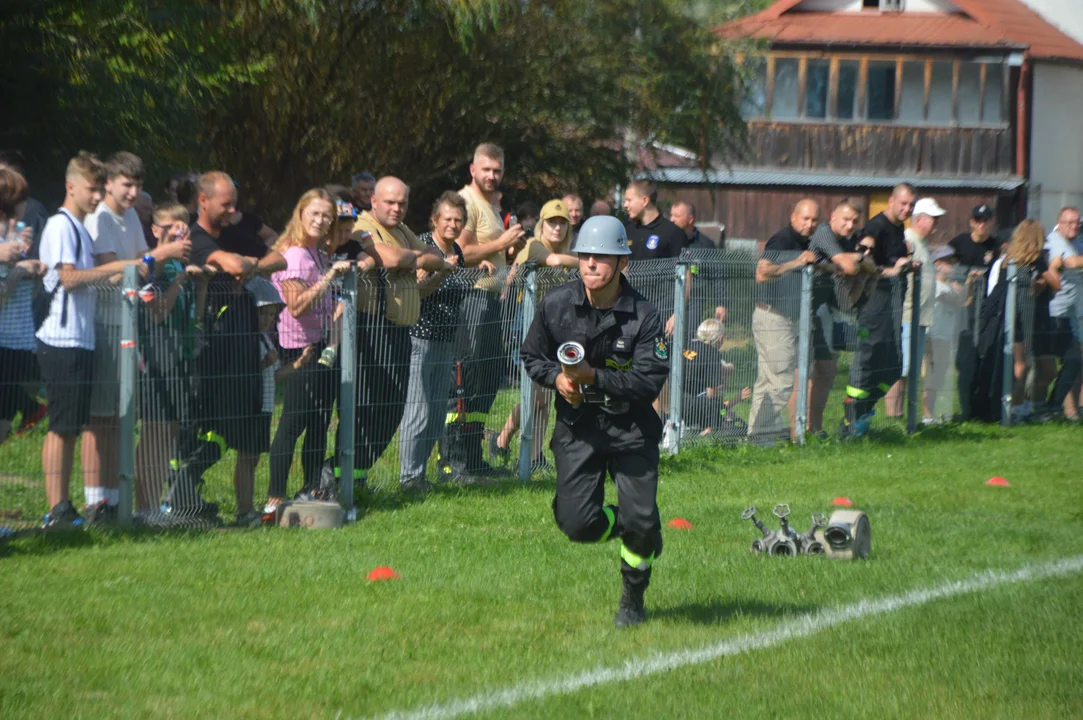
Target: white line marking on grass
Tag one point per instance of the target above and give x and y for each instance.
(798, 628)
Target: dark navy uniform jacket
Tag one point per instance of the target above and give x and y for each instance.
(624, 344)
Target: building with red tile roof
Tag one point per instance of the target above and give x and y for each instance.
(974, 101)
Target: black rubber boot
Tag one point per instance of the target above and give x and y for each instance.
(631, 610)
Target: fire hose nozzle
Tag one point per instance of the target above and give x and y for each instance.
(570, 354)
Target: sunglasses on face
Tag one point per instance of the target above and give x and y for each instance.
(865, 249)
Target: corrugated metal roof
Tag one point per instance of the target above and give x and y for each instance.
(694, 176)
(1006, 24)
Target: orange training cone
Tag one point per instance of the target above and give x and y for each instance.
(383, 573)
(997, 482)
(679, 524)
(842, 502)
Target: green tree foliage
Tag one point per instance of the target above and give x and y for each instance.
(287, 94)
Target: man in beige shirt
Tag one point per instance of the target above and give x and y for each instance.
(388, 312)
(479, 354)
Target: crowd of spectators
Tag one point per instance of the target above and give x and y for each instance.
(233, 317)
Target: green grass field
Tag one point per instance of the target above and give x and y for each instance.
(277, 623)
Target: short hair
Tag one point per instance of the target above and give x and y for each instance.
(363, 175)
(13, 190)
(645, 188)
(1067, 208)
(209, 180)
(710, 331)
(690, 206)
(186, 192)
(170, 211)
(340, 192)
(904, 186)
(528, 209)
(124, 163)
(572, 196)
(848, 204)
(490, 150)
(450, 198)
(86, 165)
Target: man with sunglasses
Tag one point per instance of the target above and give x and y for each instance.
(877, 362)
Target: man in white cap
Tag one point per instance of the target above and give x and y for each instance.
(920, 240)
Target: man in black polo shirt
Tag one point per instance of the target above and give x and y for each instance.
(774, 321)
(229, 395)
(650, 236)
(975, 251)
(877, 362)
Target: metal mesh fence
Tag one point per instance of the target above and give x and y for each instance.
(210, 397)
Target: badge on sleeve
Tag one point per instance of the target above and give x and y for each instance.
(660, 350)
(652, 242)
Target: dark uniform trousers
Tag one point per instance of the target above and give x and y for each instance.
(383, 376)
(478, 372)
(615, 430)
(584, 454)
(226, 395)
(877, 362)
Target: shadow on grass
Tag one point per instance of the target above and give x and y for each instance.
(390, 498)
(37, 542)
(720, 612)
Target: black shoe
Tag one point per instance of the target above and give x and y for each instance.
(630, 612)
(101, 514)
(416, 485)
(496, 452)
(62, 517)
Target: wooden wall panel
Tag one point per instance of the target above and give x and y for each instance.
(881, 148)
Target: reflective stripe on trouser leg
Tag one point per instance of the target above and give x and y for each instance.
(358, 473)
(856, 393)
(635, 561)
(884, 388)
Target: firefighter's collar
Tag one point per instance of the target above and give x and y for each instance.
(625, 301)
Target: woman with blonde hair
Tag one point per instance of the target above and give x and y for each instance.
(1026, 249)
(305, 286)
(550, 247)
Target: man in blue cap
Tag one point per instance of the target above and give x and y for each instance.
(604, 419)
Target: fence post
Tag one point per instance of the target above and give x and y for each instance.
(347, 396)
(526, 386)
(1008, 375)
(674, 425)
(804, 342)
(128, 368)
(916, 350)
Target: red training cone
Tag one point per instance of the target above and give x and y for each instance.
(842, 502)
(679, 524)
(997, 482)
(383, 573)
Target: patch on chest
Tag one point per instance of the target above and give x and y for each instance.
(621, 345)
(652, 242)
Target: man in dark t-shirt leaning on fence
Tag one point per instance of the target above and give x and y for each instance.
(877, 362)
